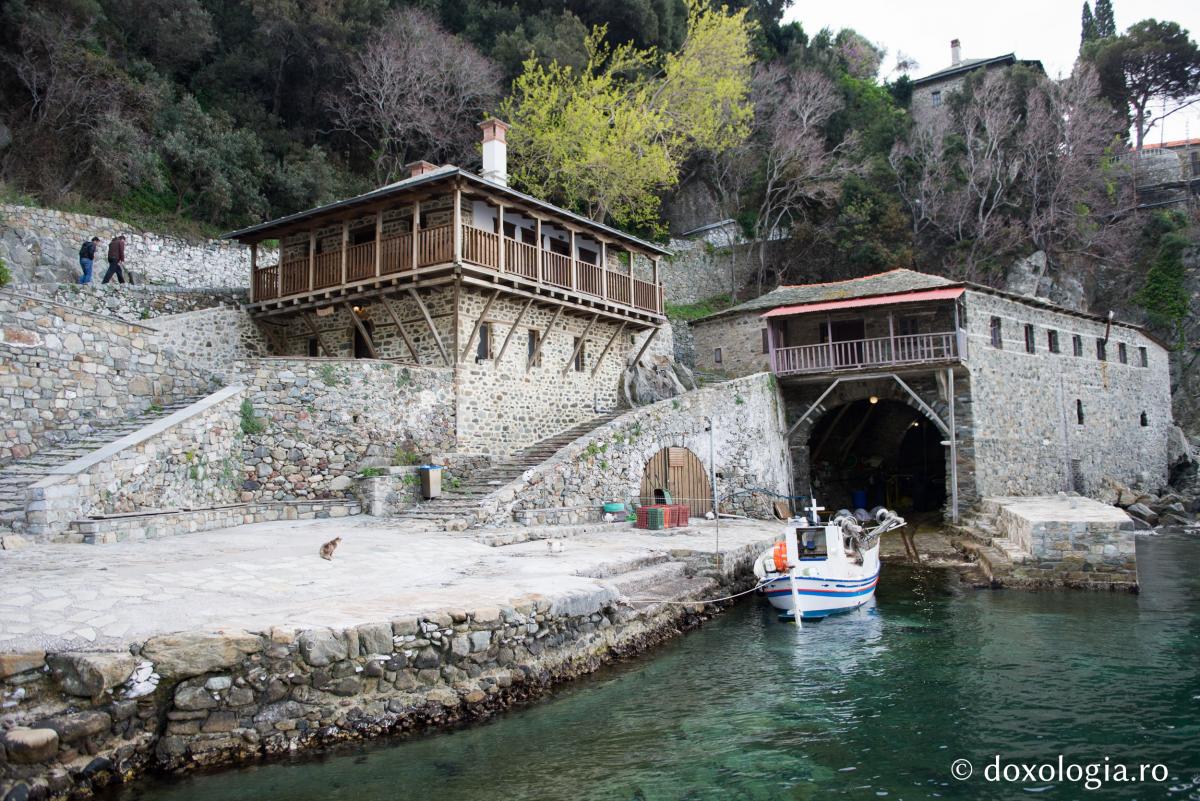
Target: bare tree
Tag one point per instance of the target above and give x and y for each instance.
(416, 91)
(799, 171)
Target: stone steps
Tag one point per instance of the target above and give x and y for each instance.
(17, 477)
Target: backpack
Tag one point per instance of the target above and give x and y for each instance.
(88, 251)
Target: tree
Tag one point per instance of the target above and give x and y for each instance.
(1151, 62)
(1087, 25)
(606, 139)
(415, 91)
(1106, 23)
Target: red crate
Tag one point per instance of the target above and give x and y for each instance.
(643, 515)
(678, 514)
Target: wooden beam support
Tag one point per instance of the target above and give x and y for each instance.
(537, 349)
(345, 247)
(312, 258)
(816, 452)
(579, 347)
(500, 255)
(574, 278)
(478, 324)
(512, 329)
(387, 305)
(620, 330)
(316, 332)
(362, 330)
(646, 344)
(254, 267)
(537, 227)
(457, 220)
(378, 242)
(437, 340)
(416, 232)
(272, 334)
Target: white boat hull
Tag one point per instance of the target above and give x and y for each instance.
(820, 596)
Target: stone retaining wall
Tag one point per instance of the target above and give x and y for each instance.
(608, 464)
(42, 246)
(65, 372)
(138, 303)
(190, 459)
(151, 525)
(325, 419)
(78, 721)
(212, 339)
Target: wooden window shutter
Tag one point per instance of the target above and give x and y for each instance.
(676, 457)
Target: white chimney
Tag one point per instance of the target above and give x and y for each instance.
(495, 151)
(955, 53)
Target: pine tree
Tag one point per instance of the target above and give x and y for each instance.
(1106, 23)
(1088, 27)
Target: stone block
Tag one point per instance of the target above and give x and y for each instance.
(321, 647)
(12, 664)
(181, 656)
(194, 698)
(82, 724)
(30, 746)
(90, 675)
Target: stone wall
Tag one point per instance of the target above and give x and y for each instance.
(1028, 437)
(190, 459)
(699, 269)
(75, 722)
(42, 246)
(740, 340)
(212, 339)
(323, 420)
(65, 372)
(137, 303)
(608, 464)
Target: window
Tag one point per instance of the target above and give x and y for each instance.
(1052, 341)
(314, 347)
(1122, 353)
(1196, 163)
(1101, 350)
(1145, 420)
(766, 345)
(1030, 346)
(579, 346)
(936, 98)
(906, 326)
(1079, 411)
(361, 236)
(483, 351)
(997, 334)
(1143, 357)
(1077, 344)
(532, 347)
(716, 355)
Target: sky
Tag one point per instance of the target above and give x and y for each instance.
(1043, 30)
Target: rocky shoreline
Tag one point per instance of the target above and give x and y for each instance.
(77, 722)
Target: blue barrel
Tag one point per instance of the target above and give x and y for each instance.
(858, 499)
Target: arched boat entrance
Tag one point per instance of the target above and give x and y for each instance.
(882, 453)
(681, 473)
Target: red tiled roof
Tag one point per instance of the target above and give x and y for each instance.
(947, 293)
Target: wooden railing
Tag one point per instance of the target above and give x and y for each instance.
(645, 295)
(480, 247)
(328, 269)
(854, 354)
(395, 254)
(435, 245)
(591, 278)
(295, 276)
(360, 261)
(519, 258)
(266, 284)
(556, 269)
(619, 288)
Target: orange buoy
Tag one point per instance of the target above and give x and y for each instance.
(781, 563)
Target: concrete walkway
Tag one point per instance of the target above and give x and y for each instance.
(73, 597)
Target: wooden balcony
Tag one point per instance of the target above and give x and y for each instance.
(522, 265)
(874, 353)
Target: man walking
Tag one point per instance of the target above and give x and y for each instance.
(87, 257)
(116, 260)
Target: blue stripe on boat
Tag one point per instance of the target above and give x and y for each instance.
(835, 593)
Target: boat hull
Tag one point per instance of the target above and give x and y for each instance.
(820, 596)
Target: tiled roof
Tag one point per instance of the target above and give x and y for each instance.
(891, 282)
(969, 64)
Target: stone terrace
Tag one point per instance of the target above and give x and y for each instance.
(62, 597)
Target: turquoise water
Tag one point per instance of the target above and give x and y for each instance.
(870, 705)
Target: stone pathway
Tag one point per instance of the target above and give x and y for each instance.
(59, 597)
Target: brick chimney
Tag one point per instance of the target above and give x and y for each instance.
(416, 168)
(495, 151)
(955, 53)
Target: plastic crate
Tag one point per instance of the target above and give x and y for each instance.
(679, 514)
(651, 517)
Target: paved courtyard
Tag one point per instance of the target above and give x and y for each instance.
(59, 597)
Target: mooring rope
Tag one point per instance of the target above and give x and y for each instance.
(759, 585)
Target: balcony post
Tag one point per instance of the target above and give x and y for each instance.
(537, 225)
(654, 280)
(829, 338)
(416, 232)
(891, 338)
(345, 247)
(574, 278)
(254, 268)
(312, 259)
(500, 255)
(378, 242)
(603, 269)
(458, 225)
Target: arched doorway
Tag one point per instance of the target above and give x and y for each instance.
(883, 453)
(681, 473)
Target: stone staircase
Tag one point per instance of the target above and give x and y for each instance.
(981, 539)
(18, 476)
(464, 500)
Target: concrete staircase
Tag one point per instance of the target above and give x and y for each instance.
(464, 500)
(17, 477)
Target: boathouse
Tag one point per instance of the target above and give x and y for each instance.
(536, 308)
(915, 391)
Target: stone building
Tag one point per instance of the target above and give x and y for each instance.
(931, 92)
(1166, 173)
(920, 392)
(536, 309)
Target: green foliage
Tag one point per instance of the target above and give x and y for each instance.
(405, 378)
(371, 472)
(403, 457)
(1164, 294)
(701, 308)
(329, 375)
(155, 407)
(251, 424)
(738, 400)
(5, 275)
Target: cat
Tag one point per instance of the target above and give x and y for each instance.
(328, 548)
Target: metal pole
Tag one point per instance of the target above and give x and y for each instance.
(953, 448)
(712, 475)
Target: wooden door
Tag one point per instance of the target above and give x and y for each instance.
(681, 473)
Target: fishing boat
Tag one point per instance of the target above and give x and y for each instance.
(823, 569)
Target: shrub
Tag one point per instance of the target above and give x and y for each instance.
(5, 275)
(371, 472)
(250, 423)
(404, 457)
(329, 375)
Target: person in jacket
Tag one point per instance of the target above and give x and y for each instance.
(116, 260)
(87, 257)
